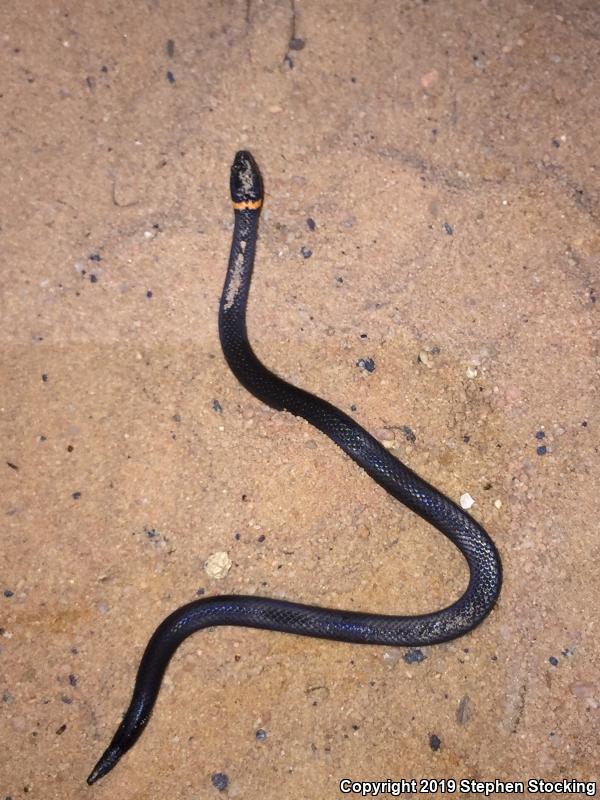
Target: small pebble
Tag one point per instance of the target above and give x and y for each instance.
(311, 224)
(409, 434)
(435, 742)
(170, 77)
(466, 501)
(95, 257)
(541, 450)
(464, 711)
(149, 293)
(425, 358)
(93, 278)
(8, 593)
(498, 504)
(471, 372)
(540, 434)
(414, 656)
(553, 660)
(76, 495)
(448, 228)
(296, 43)
(200, 592)
(366, 364)
(217, 565)
(385, 436)
(306, 252)
(45, 378)
(217, 406)
(170, 47)
(220, 781)
(261, 735)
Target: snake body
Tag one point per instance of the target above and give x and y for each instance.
(397, 479)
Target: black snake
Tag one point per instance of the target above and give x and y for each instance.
(397, 479)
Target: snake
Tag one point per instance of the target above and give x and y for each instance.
(252, 611)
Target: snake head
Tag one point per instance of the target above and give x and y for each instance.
(246, 183)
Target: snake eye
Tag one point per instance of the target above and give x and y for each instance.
(246, 183)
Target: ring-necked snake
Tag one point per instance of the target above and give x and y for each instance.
(397, 479)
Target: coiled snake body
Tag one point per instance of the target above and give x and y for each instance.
(397, 479)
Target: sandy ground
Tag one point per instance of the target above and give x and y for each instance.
(448, 155)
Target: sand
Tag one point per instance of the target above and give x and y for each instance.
(428, 262)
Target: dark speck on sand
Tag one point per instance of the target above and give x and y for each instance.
(170, 77)
(220, 781)
(414, 656)
(435, 742)
(366, 364)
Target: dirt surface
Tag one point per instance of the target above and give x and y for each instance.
(431, 171)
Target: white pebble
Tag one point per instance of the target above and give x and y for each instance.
(217, 565)
(471, 371)
(466, 501)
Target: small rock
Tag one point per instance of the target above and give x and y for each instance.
(464, 712)
(471, 372)
(429, 78)
(366, 364)
(217, 565)
(435, 742)
(220, 781)
(414, 656)
(425, 358)
(466, 501)
(386, 437)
